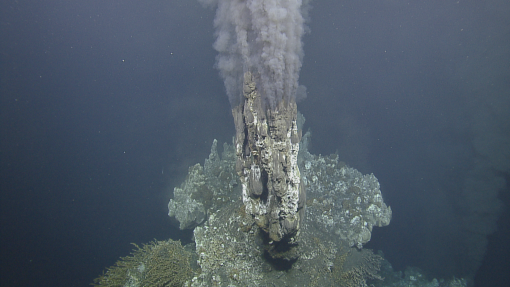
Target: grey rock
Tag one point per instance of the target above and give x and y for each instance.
(267, 146)
(232, 248)
(205, 188)
(184, 207)
(341, 200)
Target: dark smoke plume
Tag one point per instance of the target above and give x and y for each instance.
(262, 37)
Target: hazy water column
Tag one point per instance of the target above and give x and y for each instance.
(262, 37)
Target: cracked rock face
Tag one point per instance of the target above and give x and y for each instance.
(267, 146)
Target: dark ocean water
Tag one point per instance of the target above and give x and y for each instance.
(105, 105)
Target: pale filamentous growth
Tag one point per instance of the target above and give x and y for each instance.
(262, 37)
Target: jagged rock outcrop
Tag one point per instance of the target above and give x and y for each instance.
(342, 207)
(267, 146)
(349, 203)
(205, 188)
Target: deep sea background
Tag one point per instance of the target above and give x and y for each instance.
(105, 104)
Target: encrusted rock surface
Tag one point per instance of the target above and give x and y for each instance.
(205, 188)
(341, 200)
(343, 206)
(267, 146)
